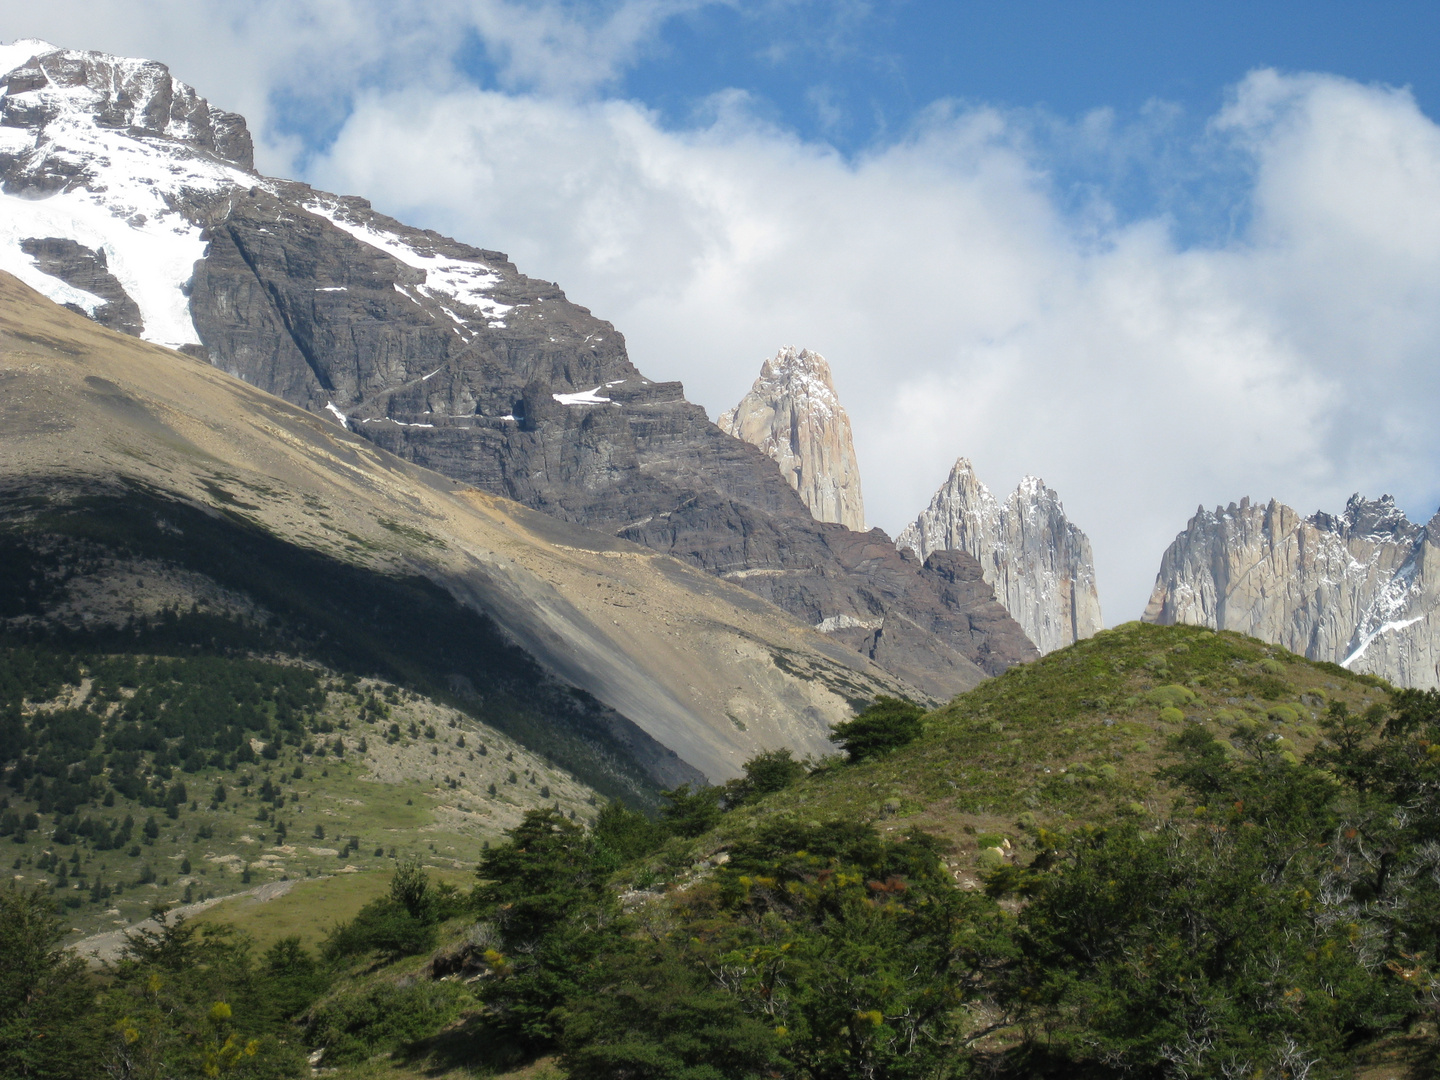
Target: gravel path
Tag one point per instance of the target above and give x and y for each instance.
(106, 947)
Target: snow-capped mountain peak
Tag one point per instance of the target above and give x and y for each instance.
(104, 162)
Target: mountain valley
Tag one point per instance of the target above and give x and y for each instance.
(395, 682)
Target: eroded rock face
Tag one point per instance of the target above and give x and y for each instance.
(442, 353)
(793, 414)
(1038, 563)
(85, 269)
(1354, 589)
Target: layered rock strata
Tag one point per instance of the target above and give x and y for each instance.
(1039, 564)
(793, 414)
(443, 353)
(1354, 589)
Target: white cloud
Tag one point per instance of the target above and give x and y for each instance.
(965, 307)
(556, 48)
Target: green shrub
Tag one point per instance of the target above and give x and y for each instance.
(410, 888)
(1171, 715)
(691, 813)
(1268, 687)
(360, 1025)
(621, 834)
(540, 876)
(885, 725)
(1283, 714)
(381, 926)
(653, 1014)
(1171, 696)
(765, 773)
(46, 995)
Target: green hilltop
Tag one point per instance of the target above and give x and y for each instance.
(1078, 736)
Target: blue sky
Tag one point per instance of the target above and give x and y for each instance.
(1159, 254)
(855, 75)
(876, 64)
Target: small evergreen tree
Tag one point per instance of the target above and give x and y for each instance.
(886, 724)
(691, 813)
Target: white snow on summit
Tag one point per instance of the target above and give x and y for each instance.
(21, 49)
(116, 205)
(118, 157)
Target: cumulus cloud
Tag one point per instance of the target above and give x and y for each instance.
(969, 301)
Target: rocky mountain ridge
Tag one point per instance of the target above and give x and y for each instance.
(442, 353)
(138, 484)
(1039, 564)
(1354, 589)
(794, 415)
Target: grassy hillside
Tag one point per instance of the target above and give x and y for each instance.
(1075, 738)
(1162, 852)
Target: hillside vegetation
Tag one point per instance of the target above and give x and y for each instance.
(137, 781)
(1162, 852)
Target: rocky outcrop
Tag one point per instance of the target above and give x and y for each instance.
(793, 414)
(85, 269)
(1354, 590)
(443, 353)
(1038, 563)
(118, 93)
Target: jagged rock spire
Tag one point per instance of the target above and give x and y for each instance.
(794, 415)
(1352, 589)
(1038, 563)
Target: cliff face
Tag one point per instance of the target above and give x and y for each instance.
(793, 414)
(1038, 563)
(1354, 589)
(129, 199)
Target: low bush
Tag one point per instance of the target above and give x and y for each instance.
(356, 1026)
(401, 924)
(887, 724)
(1171, 696)
(381, 926)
